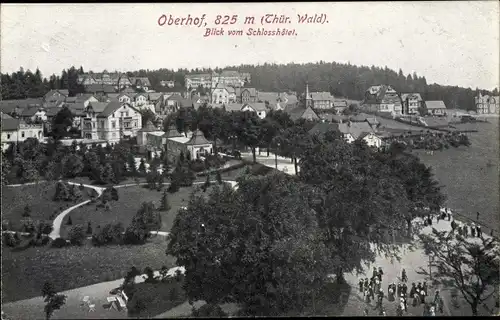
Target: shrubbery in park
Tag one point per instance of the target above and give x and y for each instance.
(11, 239)
(66, 192)
(59, 243)
(77, 235)
(109, 234)
(27, 211)
(147, 219)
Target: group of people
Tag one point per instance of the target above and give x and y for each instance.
(372, 288)
(464, 230)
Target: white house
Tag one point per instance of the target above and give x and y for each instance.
(140, 100)
(15, 130)
(221, 95)
(111, 121)
(258, 107)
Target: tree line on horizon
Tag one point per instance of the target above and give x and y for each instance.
(341, 80)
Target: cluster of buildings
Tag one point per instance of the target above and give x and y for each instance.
(112, 107)
(229, 78)
(383, 98)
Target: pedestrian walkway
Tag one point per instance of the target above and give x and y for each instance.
(412, 261)
(98, 293)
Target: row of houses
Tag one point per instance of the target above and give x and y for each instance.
(383, 98)
(229, 78)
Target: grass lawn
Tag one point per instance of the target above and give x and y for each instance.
(25, 272)
(130, 199)
(156, 298)
(470, 174)
(86, 180)
(38, 197)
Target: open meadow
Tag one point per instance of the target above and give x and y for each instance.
(470, 175)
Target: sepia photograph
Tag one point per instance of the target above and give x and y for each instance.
(300, 159)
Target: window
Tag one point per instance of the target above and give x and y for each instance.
(22, 134)
(8, 135)
(114, 134)
(126, 114)
(113, 124)
(102, 123)
(93, 125)
(122, 114)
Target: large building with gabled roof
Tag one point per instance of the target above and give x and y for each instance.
(111, 121)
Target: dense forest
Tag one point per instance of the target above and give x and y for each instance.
(342, 80)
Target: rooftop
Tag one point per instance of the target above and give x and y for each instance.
(435, 104)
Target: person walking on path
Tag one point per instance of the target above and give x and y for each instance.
(424, 287)
(413, 290)
(404, 277)
(453, 226)
(390, 292)
(473, 230)
(374, 275)
(365, 313)
(361, 282)
(466, 231)
(437, 301)
(380, 273)
(404, 290)
(422, 296)
(405, 304)
(478, 231)
(367, 283)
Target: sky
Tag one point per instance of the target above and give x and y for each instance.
(450, 43)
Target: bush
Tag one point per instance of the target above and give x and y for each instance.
(173, 187)
(27, 211)
(59, 243)
(76, 234)
(209, 311)
(197, 166)
(45, 227)
(110, 233)
(10, 239)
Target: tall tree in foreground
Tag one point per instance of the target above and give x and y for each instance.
(54, 300)
(263, 250)
(472, 264)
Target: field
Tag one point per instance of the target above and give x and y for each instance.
(24, 272)
(38, 197)
(130, 199)
(470, 174)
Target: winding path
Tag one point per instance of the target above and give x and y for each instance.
(56, 231)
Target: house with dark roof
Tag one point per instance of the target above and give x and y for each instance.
(222, 94)
(140, 83)
(260, 108)
(350, 131)
(194, 142)
(435, 107)
(111, 121)
(300, 112)
(411, 102)
(56, 94)
(339, 106)
(15, 107)
(383, 98)
(246, 95)
(16, 130)
(321, 100)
